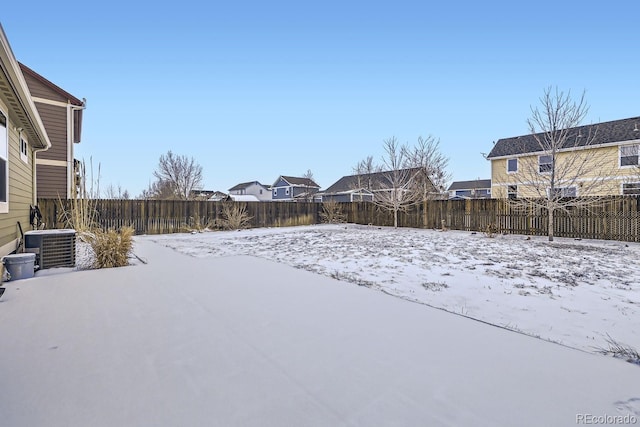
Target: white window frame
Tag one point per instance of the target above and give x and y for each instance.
(550, 163)
(513, 171)
(637, 189)
(24, 149)
(286, 191)
(4, 155)
(512, 190)
(632, 147)
(275, 192)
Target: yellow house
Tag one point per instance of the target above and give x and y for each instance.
(593, 160)
(22, 135)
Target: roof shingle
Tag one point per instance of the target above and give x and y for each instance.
(602, 133)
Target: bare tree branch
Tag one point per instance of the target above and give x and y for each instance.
(559, 169)
(397, 189)
(426, 155)
(182, 174)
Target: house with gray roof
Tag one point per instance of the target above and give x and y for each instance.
(613, 146)
(291, 189)
(252, 188)
(363, 187)
(474, 189)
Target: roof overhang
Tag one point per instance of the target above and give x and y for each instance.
(567, 150)
(14, 88)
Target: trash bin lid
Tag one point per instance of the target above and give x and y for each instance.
(26, 257)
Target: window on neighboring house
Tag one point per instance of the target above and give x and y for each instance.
(275, 191)
(24, 150)
(629, 155)
(463, 193)
(512, 192)
(565, 192)
(286, 192)
(4, 164)
(545, 163)
(260, 191)
(631, 188)
(512, 165)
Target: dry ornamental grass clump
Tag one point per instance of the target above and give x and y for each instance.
(111, 248)
(235, 216)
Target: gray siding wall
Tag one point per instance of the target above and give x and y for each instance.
(282, 193)
(51, 181)
(54, 119)
(336, 198)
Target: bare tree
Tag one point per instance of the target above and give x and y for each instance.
(112, 192)
(181, 173)
(309, 189)
(559, 171)
(159, 190)
(364, 171)
(433, 177)
(397, 184)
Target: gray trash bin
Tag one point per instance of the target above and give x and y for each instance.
(20, 266)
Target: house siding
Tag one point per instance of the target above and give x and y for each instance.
(601, 160)
(20, 192)
(39, 90)
(54, 119)
(337, 198)
(282, 193)
(51, 182)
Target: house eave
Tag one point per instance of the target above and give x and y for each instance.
(18, 92)
(567, 150)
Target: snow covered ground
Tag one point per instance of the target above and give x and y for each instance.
(574, 292)
(241, 341)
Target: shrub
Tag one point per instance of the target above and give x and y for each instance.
(235, 216)
(197, 224)
(332, 213)
(491, 230)
(111, 248)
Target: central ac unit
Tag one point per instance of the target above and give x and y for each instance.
(53, 248)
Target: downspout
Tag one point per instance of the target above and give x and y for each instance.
(70, 141)
(33, 174)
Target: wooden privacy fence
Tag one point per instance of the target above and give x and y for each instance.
(615, 218)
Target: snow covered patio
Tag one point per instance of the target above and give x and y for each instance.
(239, 340)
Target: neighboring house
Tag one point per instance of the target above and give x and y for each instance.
(243, 198)
(364, 187)
(22, 134)
(290, 188)
(218, 196)
(349, 188)
(201, 194)
(57, 171)
(616, 145)
(475, 189)
(253, 188)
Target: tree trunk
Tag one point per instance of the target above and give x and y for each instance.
(395, 218)
(550, 225)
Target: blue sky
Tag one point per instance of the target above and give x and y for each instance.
(254, 90)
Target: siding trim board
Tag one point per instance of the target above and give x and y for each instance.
(39, 100)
